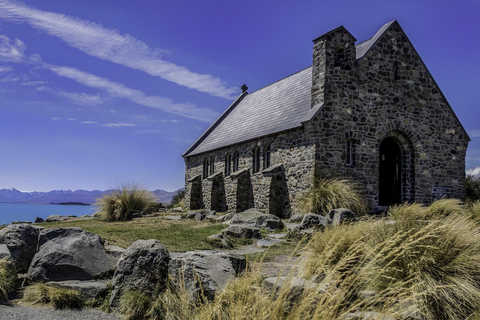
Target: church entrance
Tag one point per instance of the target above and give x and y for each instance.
(390, 173)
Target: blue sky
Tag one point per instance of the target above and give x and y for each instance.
(96, 93)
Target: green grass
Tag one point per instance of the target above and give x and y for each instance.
(8, 279)
(177, 235)
(57, 297)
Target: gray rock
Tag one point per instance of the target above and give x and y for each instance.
(69, 254)
(211, 217)
(4, 252)
(55, 217)
(115, 251)
(200, 215)
(220, 240)
(22, 243)
(204, 273)
(225, 217)
(268, 242)
(38, 220)
(177, 209)
(142, 267)
(342, 215)
(245, 232)
(296, 218)
(258, 219)
(21, 222)
(296, 285)
(88, 289)
(190, 215)
(312, 220)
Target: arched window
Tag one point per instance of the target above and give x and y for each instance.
(228, 164)
(266, 157)
(236, 159)
(256, 159)
(212, 165)
(205, 168)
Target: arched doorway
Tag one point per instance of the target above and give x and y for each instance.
(390, 173)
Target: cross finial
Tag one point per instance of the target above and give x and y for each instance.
(244, 88)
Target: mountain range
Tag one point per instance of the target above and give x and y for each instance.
(57, 196)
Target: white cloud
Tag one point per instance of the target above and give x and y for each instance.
(119, 90)
(55, 118)
(474, 172)
(72, 119)
(5, 69)
(119, 125)
(474, 134)
(33, 83)
(11, 50)
(108, 44)
(89, 122)
(82, 98)
(174, 121)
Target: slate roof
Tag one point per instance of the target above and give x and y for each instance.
(280, 106)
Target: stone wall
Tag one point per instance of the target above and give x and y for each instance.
(291, 175)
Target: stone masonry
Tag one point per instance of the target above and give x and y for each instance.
(376, 115)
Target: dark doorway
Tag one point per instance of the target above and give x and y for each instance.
(218, 195)
(244, 193)
(390, 173)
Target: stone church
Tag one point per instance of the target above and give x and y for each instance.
(370, 112)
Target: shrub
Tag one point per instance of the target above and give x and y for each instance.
(329, 194)
(59, 298)
(8, 279)
(178, 199)
(473, 188)
(121, 204)
(134, 305)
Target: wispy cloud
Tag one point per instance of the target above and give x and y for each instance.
(108, 44)
(11, 50)
(55, 118)
(89, 122)
(119, 90)
(83, 99)
(5, 69)
(72, 119)
(119, 125)
(474, 133)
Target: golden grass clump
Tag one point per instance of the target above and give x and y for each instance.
(59, 298)
(8, 279)
(120, 204)
(329, 194)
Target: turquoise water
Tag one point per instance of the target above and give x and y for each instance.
(28, 212)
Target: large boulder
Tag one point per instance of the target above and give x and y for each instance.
(245, 232)
(69, 254)
(142, 267)
(203, 273)
(342, 215)
(258, 219)
(22, 241)
(312, 220)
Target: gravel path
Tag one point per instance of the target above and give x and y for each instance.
(8, 312)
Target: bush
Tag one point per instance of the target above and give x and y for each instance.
(134, 305)
(59, 298)
(178, 199)
(329, 194)
(8, 279)
(473, 188)
(121, 204)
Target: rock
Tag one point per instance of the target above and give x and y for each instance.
(296, 218)
(211, 217)
(115, 251)
(22, 243)
(21, 222)
(255, 218)
(4, 252)
(69, 254)
(245, 232)
(190, 214)
(219, 240)
(200, 215)
(88, 289)
(312, 220)
(370, 315)
(38, 220)
(55, 217)
(342, 215)
(296, 285)
(225, 217)
(177, 209)
(265, 243)
(203, 273)
(142, 267)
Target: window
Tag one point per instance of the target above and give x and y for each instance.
(256, 159)
(205, 168)
(228, 164)
(349, 153)
(266, 157)
(212, 165)
(236, 158)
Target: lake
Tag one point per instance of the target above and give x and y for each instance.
(28, 212)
